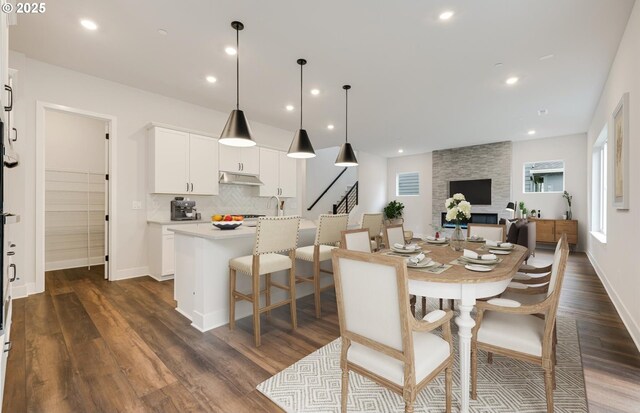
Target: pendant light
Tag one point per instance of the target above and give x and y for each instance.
(346, 156)
(301, 144)
(237, 131)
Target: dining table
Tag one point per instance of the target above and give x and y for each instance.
(450, 279)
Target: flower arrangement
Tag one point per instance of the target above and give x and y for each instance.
(458, 209)
(568, 197)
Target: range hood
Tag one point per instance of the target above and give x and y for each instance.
(239, 179)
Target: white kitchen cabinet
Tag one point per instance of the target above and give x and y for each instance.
(182, 163)
(241, 160)
(160, 249)
(277, 173)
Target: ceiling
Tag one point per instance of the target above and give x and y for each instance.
(418, 83)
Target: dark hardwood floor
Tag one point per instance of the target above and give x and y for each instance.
(88, 345)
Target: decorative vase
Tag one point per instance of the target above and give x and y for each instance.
(458, 239)
(569, 214)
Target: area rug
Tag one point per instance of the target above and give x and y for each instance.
(312, 385)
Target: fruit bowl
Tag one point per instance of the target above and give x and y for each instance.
(227, 224)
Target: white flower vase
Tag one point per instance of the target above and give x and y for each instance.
(458, 239)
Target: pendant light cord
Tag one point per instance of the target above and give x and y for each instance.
(301, 67)
(346, 116)
(237, 69)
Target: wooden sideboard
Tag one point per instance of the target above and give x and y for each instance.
(550, 230)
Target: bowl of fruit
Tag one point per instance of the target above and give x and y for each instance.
(227, 221)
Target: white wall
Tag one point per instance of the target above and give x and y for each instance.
(616, 261)
(570, 149)
(134, 109)
(372, 185)
(417, 209)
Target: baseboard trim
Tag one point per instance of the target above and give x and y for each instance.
(632, 327)
(76, 263)
(130, 273)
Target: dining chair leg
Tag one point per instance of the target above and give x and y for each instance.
(232, 298)
(441, 304)
(412, 301)
(452, 304)
(316, 287)
(292, 295)
(344, 391)
(448, 379)
(490, 357)
(256, 309)
(424, 306)
(474, 370)
(548, 388)
(267, 292)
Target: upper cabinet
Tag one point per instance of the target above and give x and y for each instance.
(278, 174)
(241, 160)
(182, 163)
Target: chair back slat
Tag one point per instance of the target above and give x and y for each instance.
(330, 228)
(487, 231)
(356, 240)
(555, 267)
(276, 234)
(372, 297)
(393, 234)
(372, 222)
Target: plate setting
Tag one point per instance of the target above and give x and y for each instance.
(500, 252)
(478, 268)
(406, 251)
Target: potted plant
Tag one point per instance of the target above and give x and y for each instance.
(393, 212)
(533, 213)
(521, 210)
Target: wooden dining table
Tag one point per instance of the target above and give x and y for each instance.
(457, 282)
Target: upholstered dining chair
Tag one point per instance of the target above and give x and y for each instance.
(394, 234)
(356, 240)
(274, 235)
(509, 328)
(380, 338)
(328, 234)
(487, 231)
(374, 223)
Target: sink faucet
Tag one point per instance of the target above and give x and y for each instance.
(278, 210)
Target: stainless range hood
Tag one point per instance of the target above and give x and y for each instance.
(239, 179)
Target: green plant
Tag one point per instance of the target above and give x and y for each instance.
(568, 197)
(521, 205)
(393, 210)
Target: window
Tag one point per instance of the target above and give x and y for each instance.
(545, 176)
(408, 184)
(599, 187)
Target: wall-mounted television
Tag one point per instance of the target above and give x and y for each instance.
(477, 191)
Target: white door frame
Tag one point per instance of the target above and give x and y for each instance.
(41, 108)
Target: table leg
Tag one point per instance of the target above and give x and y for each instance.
(465, 325)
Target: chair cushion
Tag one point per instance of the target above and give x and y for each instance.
(524, 299)
(430, 352)
(306, 253)
(268, 263)
(518, 332)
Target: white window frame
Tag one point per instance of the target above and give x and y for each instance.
(398, 183)
(599, 186)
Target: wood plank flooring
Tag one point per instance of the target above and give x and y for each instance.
(88, 345)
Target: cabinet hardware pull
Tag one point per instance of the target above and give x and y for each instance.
(7, 346)
(15, 138)
(10, 90)
(13, 267)
(187, 186)
(191, 186)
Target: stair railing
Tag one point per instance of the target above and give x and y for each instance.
(326, 190)
(348, 202)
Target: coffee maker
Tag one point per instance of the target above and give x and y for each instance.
(182, 210)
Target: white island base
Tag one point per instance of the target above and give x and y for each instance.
(201, 278)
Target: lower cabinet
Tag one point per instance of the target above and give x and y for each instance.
(551, 230)
(160, 250)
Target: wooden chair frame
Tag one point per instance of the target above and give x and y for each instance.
(343, 241)
(386, 236)
(504, 229)
(409, 324)
(374, 237)
(548, 308)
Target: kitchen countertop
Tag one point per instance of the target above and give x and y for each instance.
(169, 222)
(242, 231)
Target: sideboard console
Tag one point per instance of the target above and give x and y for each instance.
(550, 230)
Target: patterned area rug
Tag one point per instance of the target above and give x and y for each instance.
(313, 384)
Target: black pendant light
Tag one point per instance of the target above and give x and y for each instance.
(237, 131)
(346, 156)
(301, 144)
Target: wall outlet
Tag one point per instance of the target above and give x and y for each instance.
(136, 205)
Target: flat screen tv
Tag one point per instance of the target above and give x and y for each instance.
(477, 191)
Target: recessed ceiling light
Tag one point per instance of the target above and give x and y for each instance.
(289, 108)
(446, 15)
(88, 24)
(512, 80)
(531, 132)
(162, 32)
(315, 92)
(498, 64)
(211, 79)
(543, 112)
(400, 150)
(231, 51)
(547, 57)
(330, 126)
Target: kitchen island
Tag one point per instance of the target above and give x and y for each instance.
(201, 281)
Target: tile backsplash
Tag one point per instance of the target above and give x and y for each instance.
(231, 199)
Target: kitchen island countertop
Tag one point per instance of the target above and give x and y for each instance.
(213, 233)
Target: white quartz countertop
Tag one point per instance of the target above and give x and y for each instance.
(213, 233)
(169, 222)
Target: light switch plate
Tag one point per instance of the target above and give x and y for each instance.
(136, 205)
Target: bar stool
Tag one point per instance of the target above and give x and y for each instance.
(357, 240)
(273, 235)
(374, 223)
(327, 236)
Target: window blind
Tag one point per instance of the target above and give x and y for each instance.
(408, 184)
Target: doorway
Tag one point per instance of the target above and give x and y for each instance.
(74, 191)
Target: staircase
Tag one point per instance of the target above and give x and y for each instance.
(348, 202)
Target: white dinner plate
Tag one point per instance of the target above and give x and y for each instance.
(402, 251)
(502, 248)
(436, 241)
(479, 268)
(475, 239)
(500, 252)
(479, 261)
(422, 264)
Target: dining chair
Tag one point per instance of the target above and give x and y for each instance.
(374, 223)
(509, 328)
(380, 338)
(494, 232)
(394, 234)
(357, 240)
(328, 234)
(274, 235)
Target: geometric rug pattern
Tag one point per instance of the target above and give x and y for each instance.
(312, 385)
